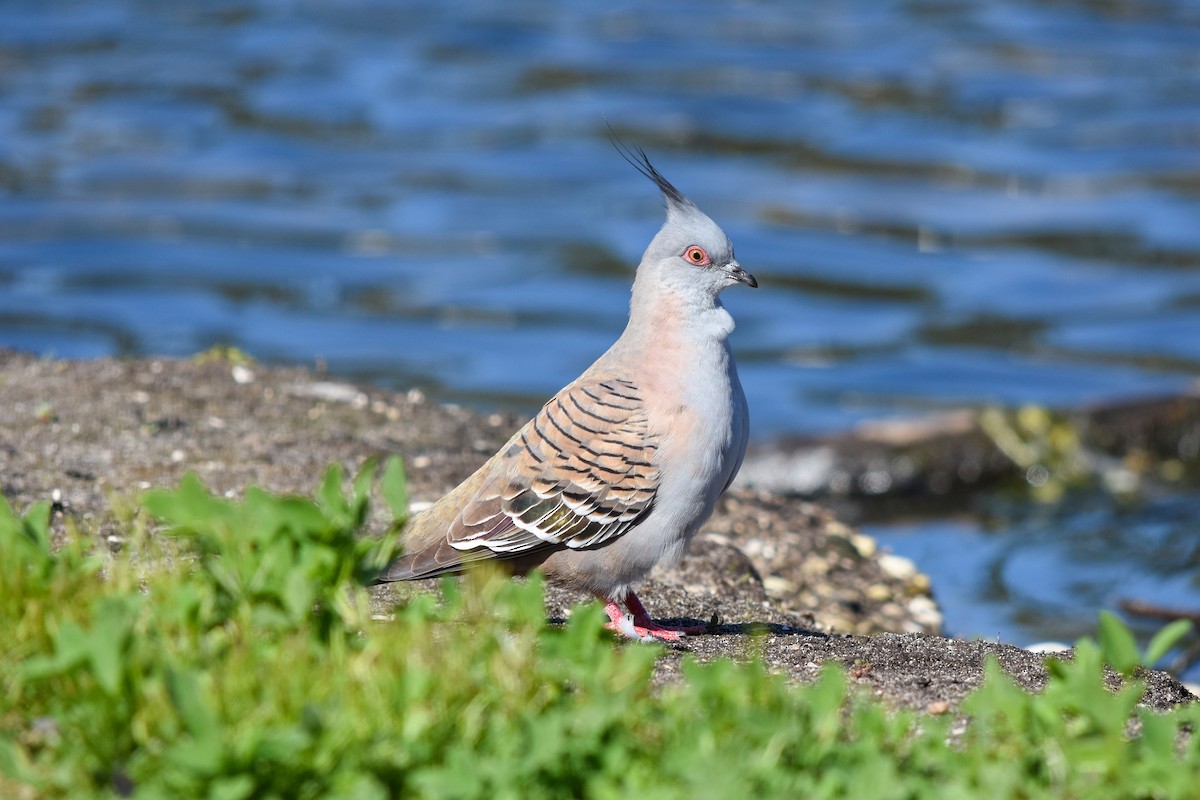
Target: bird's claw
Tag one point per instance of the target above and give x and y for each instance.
(625, 625)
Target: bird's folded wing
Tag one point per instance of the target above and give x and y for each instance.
(580, 473)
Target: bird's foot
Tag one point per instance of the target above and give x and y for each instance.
(624, 625)
(637, 624)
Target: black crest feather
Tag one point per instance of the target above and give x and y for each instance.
(638, 159)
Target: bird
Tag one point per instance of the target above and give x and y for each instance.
(617, 471)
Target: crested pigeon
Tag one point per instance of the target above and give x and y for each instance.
(618, 470)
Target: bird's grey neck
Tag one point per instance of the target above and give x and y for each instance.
(665, 320)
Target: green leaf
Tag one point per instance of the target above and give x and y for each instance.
(298, 596)
(1158, 732)
(190, 500)
(14, 764)
(237, 787)
(71, 644)
(1165, 639)
(37, 525)
(26, 540)
(1117, 645)
(204, 753)
(361, 498)
(329, 494)
(8, 517)
(394, 487)
(112, 621)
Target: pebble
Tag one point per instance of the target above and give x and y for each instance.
(920, 583)
(335, 392)
(777, 585)
(878, 592)
(897, 567)
(865, 545)
(816, 565)
(925, 612)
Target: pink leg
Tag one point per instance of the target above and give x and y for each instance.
(641, 626)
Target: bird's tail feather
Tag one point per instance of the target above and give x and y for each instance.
(432, 562)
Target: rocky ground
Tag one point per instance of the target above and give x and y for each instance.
(782, 577)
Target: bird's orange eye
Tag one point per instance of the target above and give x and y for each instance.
(697, 256)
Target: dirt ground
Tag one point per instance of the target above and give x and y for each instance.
(781, 577)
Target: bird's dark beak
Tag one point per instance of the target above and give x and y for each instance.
(734, 270)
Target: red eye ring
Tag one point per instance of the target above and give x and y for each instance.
(697, 255)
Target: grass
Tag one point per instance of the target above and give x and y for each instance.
(233, 654)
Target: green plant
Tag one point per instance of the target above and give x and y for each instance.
(233, 655)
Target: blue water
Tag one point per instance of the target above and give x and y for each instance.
(1042, 572)
(946, 203)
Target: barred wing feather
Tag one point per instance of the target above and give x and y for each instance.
(580, 473)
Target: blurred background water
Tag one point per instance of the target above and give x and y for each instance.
(947, 203)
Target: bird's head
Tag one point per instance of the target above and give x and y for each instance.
(690, 251)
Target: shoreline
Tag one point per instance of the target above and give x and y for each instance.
(89, 433)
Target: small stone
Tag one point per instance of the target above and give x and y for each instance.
(937, 707)
(334, 392)
(242, 374)
(815, 565)
(865, 545)
(925, 612)
(835, 528)
(777, 585)
(897, 567)
(878, 593)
